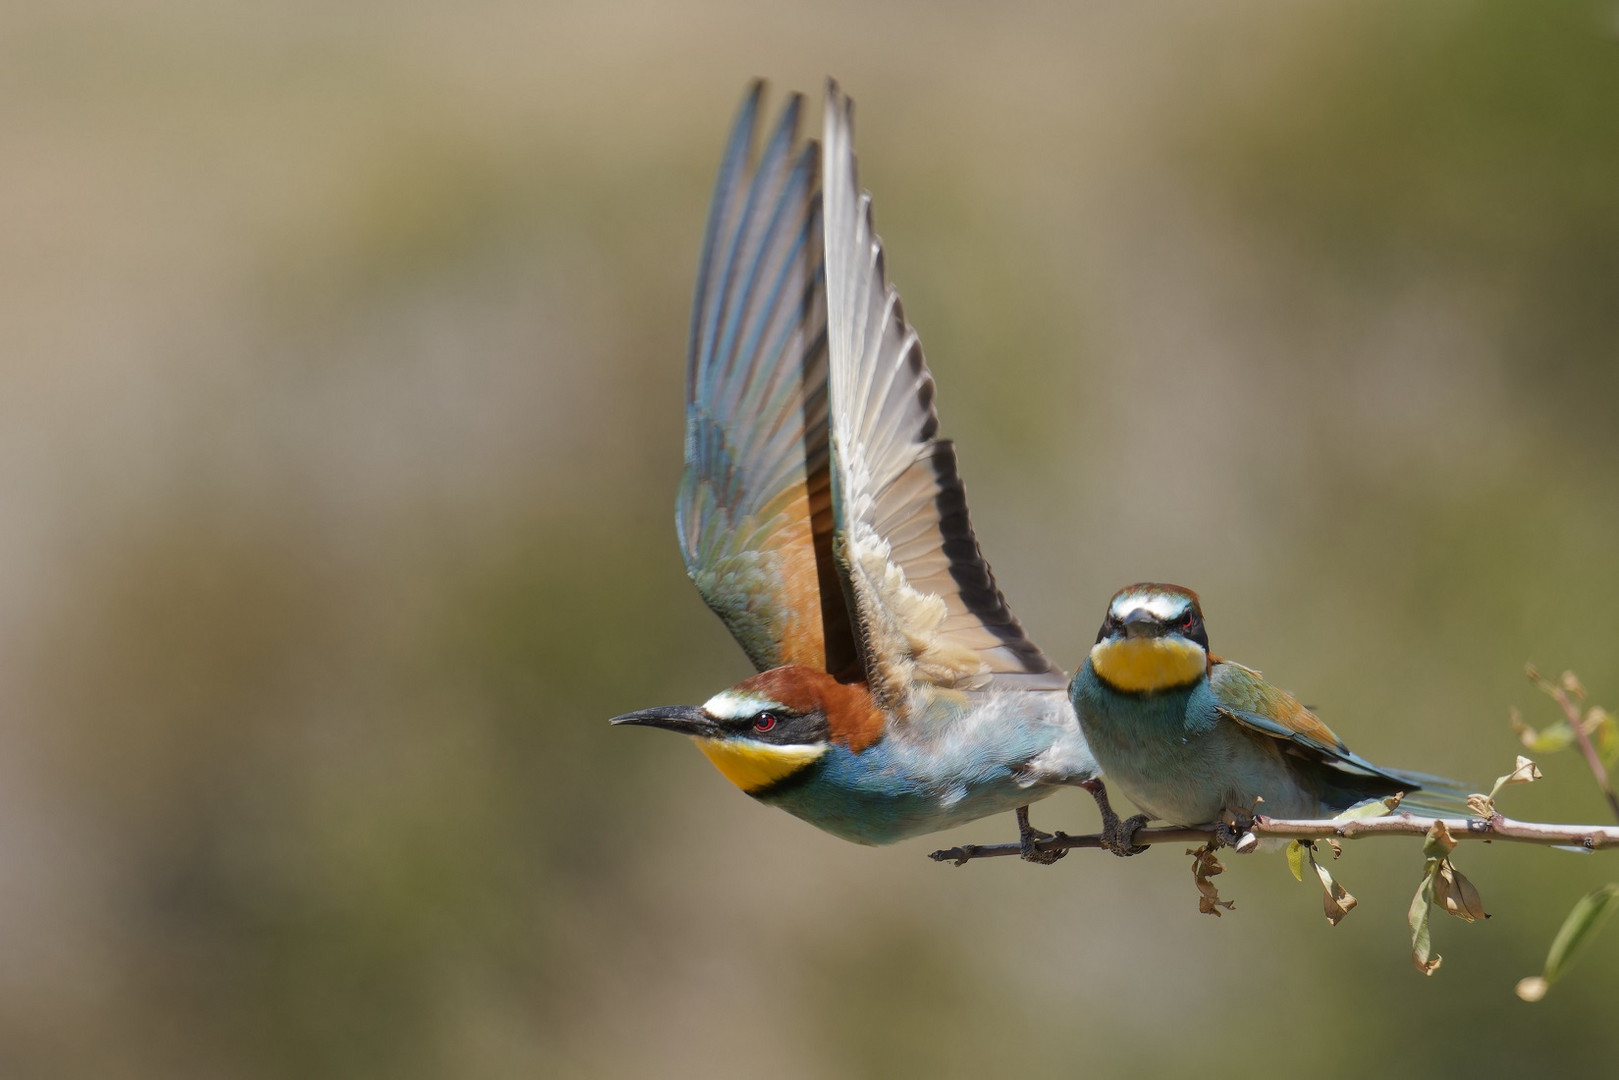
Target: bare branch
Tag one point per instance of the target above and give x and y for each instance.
(1062, 842)
(1495, 827)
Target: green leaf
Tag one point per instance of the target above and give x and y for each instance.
(1371, 808)
(1606, 727)
(1295, 859)
(1548, 740)
(1422, 953)
(1586, 918)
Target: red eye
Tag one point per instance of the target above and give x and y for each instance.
(764, 721)
(1186, 623)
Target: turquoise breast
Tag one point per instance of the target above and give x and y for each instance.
(1155, 748)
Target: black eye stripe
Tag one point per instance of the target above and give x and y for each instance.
(1187, 622)
(780, 726)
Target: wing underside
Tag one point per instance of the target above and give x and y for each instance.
(925, 603)
(754, 512)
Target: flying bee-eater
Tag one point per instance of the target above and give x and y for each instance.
(823, 520)
(1192, 739)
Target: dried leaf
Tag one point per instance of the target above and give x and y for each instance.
(1523, 771)
(1295, 859)
(1456, 894)
(1572, 686)
(1578, 930)
(1481, 806)
(1336, 901)
(1439, 842)
(1205, 866)
(1422, 953)
(1444, 885)
(1336, 846)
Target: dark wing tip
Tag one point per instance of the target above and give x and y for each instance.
(975, 581)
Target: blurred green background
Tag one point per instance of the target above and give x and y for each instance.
(343, 354)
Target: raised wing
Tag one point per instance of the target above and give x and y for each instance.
(754, 512)
(926, 606)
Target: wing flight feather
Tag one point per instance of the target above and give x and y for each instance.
(754, 512)
(925, 604)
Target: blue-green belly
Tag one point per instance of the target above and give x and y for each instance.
(873, 798)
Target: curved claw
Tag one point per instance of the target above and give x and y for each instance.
(1116, 834)
(1117, 837)
(1028, 836)
(960, 856)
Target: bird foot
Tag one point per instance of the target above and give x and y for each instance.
(1116, 834)
(1028, 836)
(1235, 830)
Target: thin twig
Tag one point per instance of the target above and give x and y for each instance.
(1496, 827)
(1571, 710)
(1063, 842)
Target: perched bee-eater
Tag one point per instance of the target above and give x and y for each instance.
(823, 521)
(1194, 739)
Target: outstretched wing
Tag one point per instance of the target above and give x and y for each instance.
(926, 606)
(754, 511)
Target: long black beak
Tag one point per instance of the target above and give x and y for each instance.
(1142, 623)
(685, 719)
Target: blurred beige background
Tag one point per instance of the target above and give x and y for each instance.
(339, 434)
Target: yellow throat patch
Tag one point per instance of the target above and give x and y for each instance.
(1143, 665)
(752, 765)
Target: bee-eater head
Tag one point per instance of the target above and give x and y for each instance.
(765, 731)
(1152, 639)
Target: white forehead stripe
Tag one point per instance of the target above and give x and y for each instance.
(1162, 606)
(735, 705)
